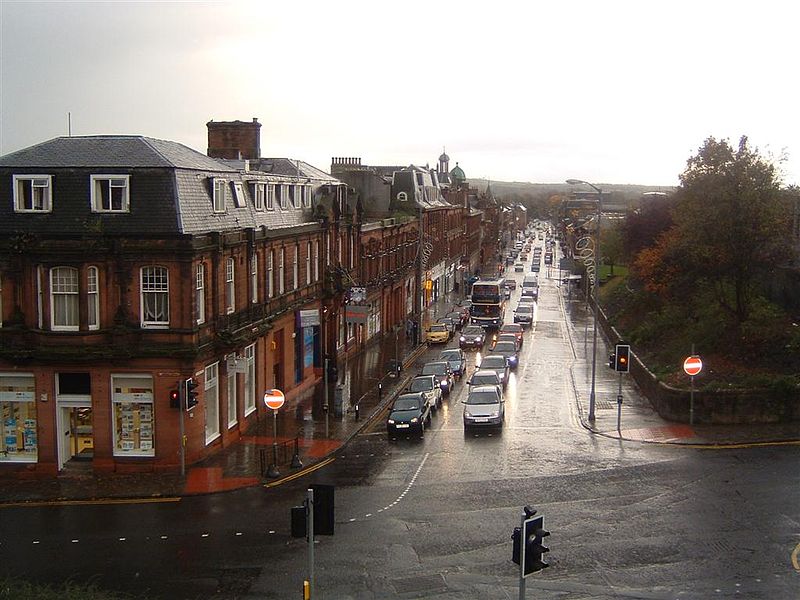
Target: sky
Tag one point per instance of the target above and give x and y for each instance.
(607, 91)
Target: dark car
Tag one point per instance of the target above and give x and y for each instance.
(457, 360)
(443, 373)
(410, 413)
(508, 349)
(459, 318)
(514, 328)
(472, 336)
(430, 388)
(523, 314)
(498, 364)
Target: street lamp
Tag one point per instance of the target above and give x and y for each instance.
(595, 291)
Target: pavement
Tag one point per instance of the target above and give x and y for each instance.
(307, 435)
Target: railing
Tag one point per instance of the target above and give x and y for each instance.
(283, 453)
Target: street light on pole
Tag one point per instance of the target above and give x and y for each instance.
(595, 289)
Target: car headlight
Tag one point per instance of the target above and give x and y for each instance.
(391, 421)
(502, 376)
(414, 419)
(512, 359)
(495, 414)
(462, 339)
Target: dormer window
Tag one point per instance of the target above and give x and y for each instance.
(238, 194)
(259, 195)
(219, 194)
(33, 193)
(110, 193)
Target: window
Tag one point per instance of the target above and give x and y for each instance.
(18, 425)
(211, 397)
(92, 299)
(259, 194)
(296, 266)
(293, 200)
(219, 195)
(134, 419)
(230, 290)
(339, 249)
(307, 196)
(283, 195)
(281, 277)
(270, 196)
(200, 293)
(110, 193)
(33, 193)
(308, 263)
(250, 380)
(40, 296)
(352, 250)
(64, 299)
(327, 248)
(238, 194)
(270, 274)
(316, 260)
(254, 278)
(232, 408)
(155, 296)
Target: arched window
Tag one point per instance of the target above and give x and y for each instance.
(64, 299)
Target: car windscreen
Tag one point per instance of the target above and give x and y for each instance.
(493, 362)
(504, 347)
(451, 355)
(406, 403)
(484, 379)
(421, 385)
(482, 397)
(469, 331)
(439, 327)
(525, 308)
(434, 369)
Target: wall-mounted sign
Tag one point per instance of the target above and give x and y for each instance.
(308, 318)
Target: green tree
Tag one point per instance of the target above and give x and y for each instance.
(731, 225)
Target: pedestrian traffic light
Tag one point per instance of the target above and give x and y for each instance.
(612, 359)
(516, 550)
(191, 393)
(622, 358)
(533, 548)
(174, 399)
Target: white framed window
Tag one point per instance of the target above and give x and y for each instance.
(219, 194)
(92, 299)
(316, 260)
(352, 251)
(259, 195)
(283, 195)
(339, 249)
(33, 193)
(270, 196)
(238, 194)
(254, 278)
(327, 248)
(211, 397)
(200, 293)
(270, 274)
(232, 400)
(307, 196)
(293, 200)
(296, 267)
(250, 380)
(281, 273)
(64, 299)
(230, 289)
(110, 193)
(19, 424)
(133, 415)
(40, 296)
(308, 263)
(154, 297)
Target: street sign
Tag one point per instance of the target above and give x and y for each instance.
(274, 399)
(692, 365)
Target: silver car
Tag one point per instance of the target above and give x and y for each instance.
(484, 406)
(486, 377)
(498, 364)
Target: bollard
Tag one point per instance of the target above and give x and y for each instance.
(357, 412)
(380, 390)
(296, 462)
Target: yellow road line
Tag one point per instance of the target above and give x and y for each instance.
(795, 562)
(327, 461)
(91, 502)
(737, 446)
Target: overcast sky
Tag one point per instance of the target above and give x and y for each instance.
(601, 90)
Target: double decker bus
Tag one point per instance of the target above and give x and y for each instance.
(488, 303)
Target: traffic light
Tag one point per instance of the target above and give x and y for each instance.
(174, 399)
(533, 548)
(622, 356)
(191, 393)
(612, 359)
(516, 535)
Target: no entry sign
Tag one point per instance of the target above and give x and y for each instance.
(692, 365)
(274, 399)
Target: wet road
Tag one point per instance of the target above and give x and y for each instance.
(432, 518)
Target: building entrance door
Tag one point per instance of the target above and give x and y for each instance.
(74, 419)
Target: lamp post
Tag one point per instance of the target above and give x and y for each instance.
(595, 290)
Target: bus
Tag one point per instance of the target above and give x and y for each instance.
(488, 303)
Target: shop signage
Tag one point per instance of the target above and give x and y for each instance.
(356, 314)
(308, 318)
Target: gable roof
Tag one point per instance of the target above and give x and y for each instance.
(116, 151)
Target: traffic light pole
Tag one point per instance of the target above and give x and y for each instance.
(619, 405)
(522, 556)
(310, 521)
(182, 410)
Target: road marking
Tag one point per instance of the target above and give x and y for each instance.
(311, 469)
(90, 502)
(795, 562)
(402, 494)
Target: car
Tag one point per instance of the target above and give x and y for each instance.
(438, 333)
(429, 386)
(506, 337)
(443, 372)
(523, 314)
(457, 360)
(519, 268)
(527, 300)
(523, 256)
(484, 406)
(514, 328)
(472, 336)
(485, 377)
(451, 324)
(409, 414)
(507, 349)
(507, 293)
(498, 364)
(511, 284)
(458, 318)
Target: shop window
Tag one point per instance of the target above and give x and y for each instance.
(132, 405)
(211, 398)
(250, 380)
(18, 425)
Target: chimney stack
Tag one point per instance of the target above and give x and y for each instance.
(234, 139)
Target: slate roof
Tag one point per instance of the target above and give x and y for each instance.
(113, 151)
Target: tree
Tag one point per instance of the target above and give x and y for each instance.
(731, 226)
(612, 245)
(642, 226)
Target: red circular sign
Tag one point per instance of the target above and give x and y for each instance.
(692, 365)
(274, 399)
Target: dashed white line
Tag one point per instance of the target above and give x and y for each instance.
(403, 493)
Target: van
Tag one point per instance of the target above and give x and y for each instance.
(530, 285)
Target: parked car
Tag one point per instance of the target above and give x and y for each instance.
(507, 349)
(485, 377)
(472, 336)
(443, 373)
(498, 364)
(409, 414)
(438, 333)
(514, 328)
(523, 314)
(429, 386)
(484, 406)
(457, 360)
